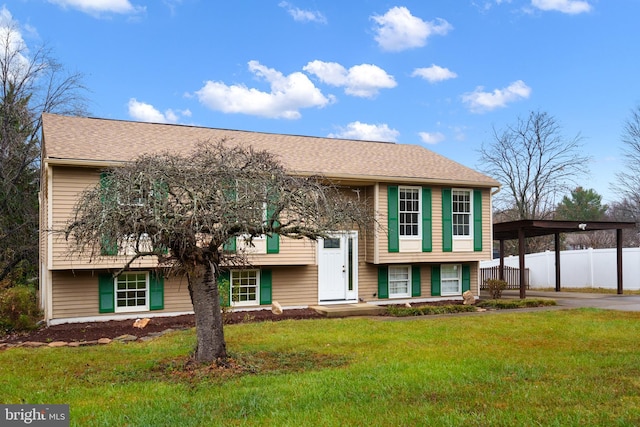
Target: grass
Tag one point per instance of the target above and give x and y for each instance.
(550, 368)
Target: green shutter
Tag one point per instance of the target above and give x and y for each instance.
(106, 292)
(230, 245)
(107, 246)
(383, 282)
(466, 277)
(156, 291)
(447, 221)
(273, 239)
(477, 220)
(427, 229)
(392, 207)
(435, 280)
(273, 244)
(415, 281)
(224, 288)
(266, 286)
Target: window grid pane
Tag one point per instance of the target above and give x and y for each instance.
(450, 279)
(398, 280)
(461, 209)
(409, 211)
(131, 290)
(244, 286)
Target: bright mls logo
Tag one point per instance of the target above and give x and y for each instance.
(36, 415)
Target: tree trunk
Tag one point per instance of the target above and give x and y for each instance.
(206, 306)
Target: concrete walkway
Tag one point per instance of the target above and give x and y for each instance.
(578, 299)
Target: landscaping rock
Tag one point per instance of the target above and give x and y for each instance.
(104, 341)
(276, 308)
(468, 298)
(126, 338)
(58, 344)
(33, 344)
(141, 323)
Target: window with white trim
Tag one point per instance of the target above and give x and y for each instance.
(461, 211)
(399, 281)
(245, 287)
(409, 211)
(132, 292)
(451, 279)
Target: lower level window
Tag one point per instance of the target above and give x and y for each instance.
(132, 292)
(245, 287)
(399, 279)
(451, 279)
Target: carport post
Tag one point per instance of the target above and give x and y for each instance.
(557, 249)
(619, 258)
(523, 292)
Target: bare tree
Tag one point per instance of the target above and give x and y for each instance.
(184, 210)
(31, 83)
(627, 183)
(534, 163)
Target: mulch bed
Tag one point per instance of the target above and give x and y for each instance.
(92, 331)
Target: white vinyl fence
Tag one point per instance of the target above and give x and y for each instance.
(588, 268)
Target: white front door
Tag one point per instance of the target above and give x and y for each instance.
(337, 268)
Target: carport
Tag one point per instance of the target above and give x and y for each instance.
(525, 228)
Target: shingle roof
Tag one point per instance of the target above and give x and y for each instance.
(79, 139)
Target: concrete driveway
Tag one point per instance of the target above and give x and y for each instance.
(577, 299)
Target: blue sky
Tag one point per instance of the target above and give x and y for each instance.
(437, 73)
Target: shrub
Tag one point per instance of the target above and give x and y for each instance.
(495, 287)
(18, 309)
(516, 303)
(426, 310)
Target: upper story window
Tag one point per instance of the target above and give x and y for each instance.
(461, 210)
(409, 211)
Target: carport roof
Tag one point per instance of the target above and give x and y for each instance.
(534, 227)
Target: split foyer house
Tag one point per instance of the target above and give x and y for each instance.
(434, 225)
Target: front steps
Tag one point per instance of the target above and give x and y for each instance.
(346, 310)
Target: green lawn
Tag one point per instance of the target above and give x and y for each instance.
(551, 368)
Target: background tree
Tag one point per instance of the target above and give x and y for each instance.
(534, 163)
(581, 205)
(627, 183)
(31, 82)
(585, 205)
(184, 210)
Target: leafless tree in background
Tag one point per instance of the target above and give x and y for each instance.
(536, 165)
(31, 82)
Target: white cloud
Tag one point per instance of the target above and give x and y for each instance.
(434, 73)
(479, 101)
(13, 49)
(431, 137)
(367, 132)
(97, 7)
(148, 113)
(364, 80)
(565, 6)
(287, 96)
(399, 30)
(301, 15)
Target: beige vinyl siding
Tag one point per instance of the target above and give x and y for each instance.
(68, 184)
(292, 252)
(367, 281)
(437, 255)
(75, 294)
(295, 286)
